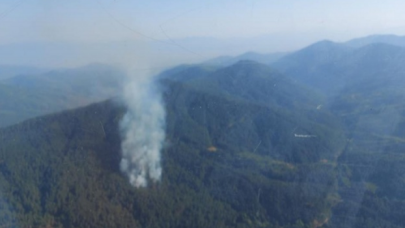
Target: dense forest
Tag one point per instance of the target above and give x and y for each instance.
(309, 140)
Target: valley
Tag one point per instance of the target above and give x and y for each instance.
(313, 138)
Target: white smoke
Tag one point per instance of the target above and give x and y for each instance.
(143, 132)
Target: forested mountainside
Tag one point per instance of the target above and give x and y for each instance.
(229, 162)
(330, 67)
(363, 85)
(315, 140)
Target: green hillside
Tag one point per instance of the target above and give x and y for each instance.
(228, 163)
(246, 146)
(364, 86)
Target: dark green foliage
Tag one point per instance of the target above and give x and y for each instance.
(257, 83)
(228, 163)
(365, 89)
(235, 153)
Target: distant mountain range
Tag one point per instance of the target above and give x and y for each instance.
(25, 96)
(253, 56)
(236, 151)
(164, 53)
(362, 82)
(313, 139)
(7, 71)
(386, 39)
(329, 67)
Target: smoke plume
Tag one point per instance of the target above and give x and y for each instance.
(143, 133)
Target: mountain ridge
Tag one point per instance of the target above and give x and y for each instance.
(25, 96)
(388, 39)
(240, 150)
(222, 150)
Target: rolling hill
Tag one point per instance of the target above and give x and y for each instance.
(230, 162)
(364, 85)
(386, 39)
(26, 96)
(315, 140)
(331, 67)
(8, 71)
(252, 56)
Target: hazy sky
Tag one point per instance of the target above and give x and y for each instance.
(159, 21)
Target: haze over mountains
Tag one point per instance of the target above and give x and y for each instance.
(7, 71)
(386, 39)
(219, 143)
(329, 67)
(364, 86)
(28, 95)
(312, 138)
(163, 53)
